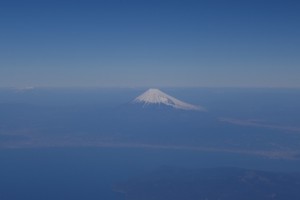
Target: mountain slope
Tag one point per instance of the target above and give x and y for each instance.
(156, 97)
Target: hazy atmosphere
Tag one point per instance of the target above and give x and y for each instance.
(150, 99)
(115, 43)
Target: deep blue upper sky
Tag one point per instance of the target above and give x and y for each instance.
(150, 43)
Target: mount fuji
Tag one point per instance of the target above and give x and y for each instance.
(155, 97)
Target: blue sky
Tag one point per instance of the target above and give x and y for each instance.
(126, 43)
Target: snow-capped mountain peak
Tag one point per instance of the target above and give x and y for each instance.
(155, 96)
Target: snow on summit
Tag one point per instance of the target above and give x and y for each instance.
(155, 96)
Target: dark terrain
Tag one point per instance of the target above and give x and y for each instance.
(212, 184)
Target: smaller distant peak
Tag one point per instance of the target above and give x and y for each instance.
(24, 89)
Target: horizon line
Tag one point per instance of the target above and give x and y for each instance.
(143, 87)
